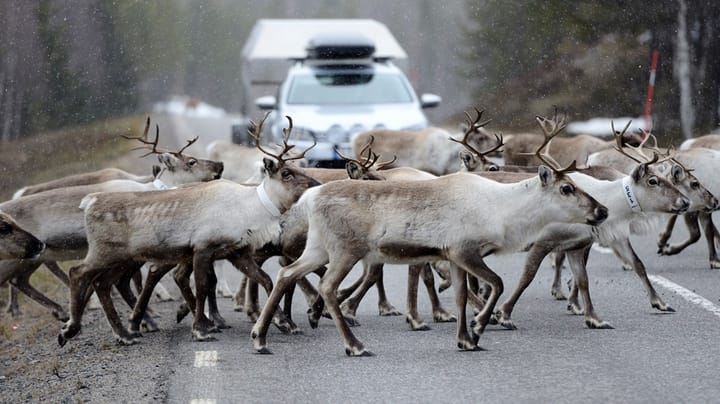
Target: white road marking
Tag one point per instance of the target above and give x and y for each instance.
(205, 359)
(686, 294)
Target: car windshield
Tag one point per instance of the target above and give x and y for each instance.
(348, 88)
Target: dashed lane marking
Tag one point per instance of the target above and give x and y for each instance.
(205, 359)
(686, 294)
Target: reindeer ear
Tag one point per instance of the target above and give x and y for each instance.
(468, 160)
(677, 172)
(354, 170)
(546, 175)
(271, 166)
(168, 160)
(638, 172)
(156, 170)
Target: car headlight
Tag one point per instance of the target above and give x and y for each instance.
(357, 128)
(336, 134)
(300, 133)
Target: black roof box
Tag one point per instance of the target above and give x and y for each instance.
(340, 45)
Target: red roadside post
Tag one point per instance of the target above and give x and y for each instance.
(651, 89)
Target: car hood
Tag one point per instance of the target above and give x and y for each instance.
(391, 116)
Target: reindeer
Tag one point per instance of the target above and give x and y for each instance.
(15, 242)
(706, 141)
(703, 163)
(629, 200)
(190, 225)
(519, 149)
(53, 217)
(426, 149)
(455, 218)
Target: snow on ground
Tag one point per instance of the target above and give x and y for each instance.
(188, 106)
(602, 126)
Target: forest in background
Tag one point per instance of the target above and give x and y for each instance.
(63, 63)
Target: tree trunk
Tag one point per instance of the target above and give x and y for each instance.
(682, 72)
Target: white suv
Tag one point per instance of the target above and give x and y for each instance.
(340, 90)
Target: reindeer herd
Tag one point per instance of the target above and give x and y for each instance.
(434, 200)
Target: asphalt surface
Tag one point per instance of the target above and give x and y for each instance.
(551, 357)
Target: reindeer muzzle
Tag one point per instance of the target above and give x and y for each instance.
(681, 206)
(600, 213)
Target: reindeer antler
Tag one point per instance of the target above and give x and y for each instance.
(154, 144)
(369, 160)
(474, 124)
(285, 146)
(551, 128)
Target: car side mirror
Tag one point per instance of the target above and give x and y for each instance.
(430, 100)
(266, 102)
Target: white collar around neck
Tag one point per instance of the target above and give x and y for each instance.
(159, 185)
(630, 195)
(265, 200)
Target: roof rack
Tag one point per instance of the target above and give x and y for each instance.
(340, 45)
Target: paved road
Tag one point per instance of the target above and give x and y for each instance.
(552, 357)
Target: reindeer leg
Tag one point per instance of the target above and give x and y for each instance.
(557, 264)
(310, 260)
(385, 308)
(371, 275)
(55, 269)
(691, 220)
(459, 283)
(215, 316)
(623, 246)
(711, 234)
(13, 306)
(443, 270)
(578, 263)
(665, 235)
(202, 325)
(252, 304)
(22, 283)
(249, 267)
(412, 317)
(440, 315)
(103, 288)
(182, 280)
(337, 269)
(155, 273)
(239, 297)
(123, 286)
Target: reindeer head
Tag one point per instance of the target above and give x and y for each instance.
(178, 168)
(554, 179)
(286, 181)
(15, 242)
(367, 169)
(700, 198)
(652, 183)
(472, 159)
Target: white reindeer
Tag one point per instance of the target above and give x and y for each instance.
(53, 216)
(456, 218)
(427, 149)
(193, 225)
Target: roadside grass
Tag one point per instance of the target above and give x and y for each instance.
(40, 158)
(67, 151)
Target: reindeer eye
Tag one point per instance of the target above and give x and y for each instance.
(493, 168)
(192, 162)
(567, 189)
(287, 175)
(695, 185)
(653, 181)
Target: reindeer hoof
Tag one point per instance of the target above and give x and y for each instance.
(124, 341)
(358, 352)
(263, 351)
(200, 336)
(351, 321)
(714, 264)
(663, 307)
(444, 317)
(421, 327)
(598, 325)
(557, 294)
(61, 340)
(575, 309)
(388, 310)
